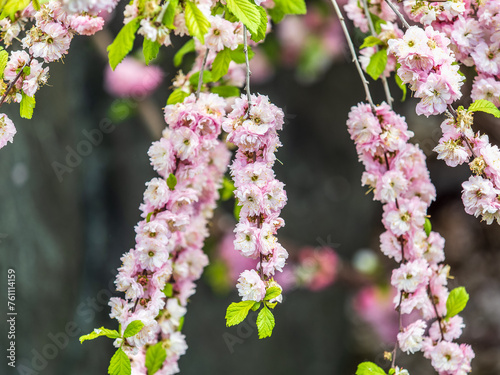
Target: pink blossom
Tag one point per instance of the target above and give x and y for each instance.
(7, 130)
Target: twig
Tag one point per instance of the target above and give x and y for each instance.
(247, 62)
(11, 85)
(398, 13)
(353, 53)
(200, 78)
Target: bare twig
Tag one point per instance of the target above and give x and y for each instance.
(398, 13)
(247, 63)
(200, 78)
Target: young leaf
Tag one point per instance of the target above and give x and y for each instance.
(272, 293)
(4, 57)
(171, 181)
(168, 18)
(207, 77)
(181, 323)
(123, 43)
(401, 85)
(265, 323)
(220, 66)
(196, 21)
(238, 55)
(133, 328)
(370, 41)
(177, 96)
(456, 302)
(246, 12)
(168, 290)
(155, 356)
(484, 106)
(261, 30)
(291, 6)
(119, 364)
(98, 332)
(227, 189)
(369, 368)
(256, 306)
(36, 5)
(150, 50)
(27, 105)
(225, 91)
(276, 14)
(185, 49)
(237, 312)
(427, 226)
(377, 64)
(377, 22)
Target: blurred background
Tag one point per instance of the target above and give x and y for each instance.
(74, 177)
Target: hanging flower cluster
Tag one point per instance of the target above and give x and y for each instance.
(427, 65)
(397, 174)
(158, 275)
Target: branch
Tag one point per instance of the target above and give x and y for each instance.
(398, 13)
(247, 63)
(200, 78)
(11, 85)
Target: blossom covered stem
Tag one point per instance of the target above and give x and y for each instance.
(398, 13)
(353, 53)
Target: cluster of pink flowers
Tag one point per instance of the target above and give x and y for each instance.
(93, 7)
(158, 275)
(253, 129)
(427, 66)
(459, 143)
(397, 173)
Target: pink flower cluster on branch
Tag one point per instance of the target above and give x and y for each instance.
(158, 275)
(253, 127)
(397, 174)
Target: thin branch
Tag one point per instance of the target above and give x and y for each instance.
(200, 78)
(353, 53)
(398, 13)
(247, 62)
(11, 85)
(385, 84)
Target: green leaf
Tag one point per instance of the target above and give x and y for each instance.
(427, 226)
(377, 64)
(227, 189)
(401, 85)
(238, 55)
(168, 290)
(226, 91)
(133, 328)
(377, 22)
(291, 6)
(271, 305)
(220, 66)
(261, 30)
(11, 7)
(155, 356)
(4, 58)
(272, 293)
(265, 323)
(150, 50)
(256, 306)
(207, 77)
(237, 210)
(181, 323)
(119, 364)
(483, 105)
(27, 105)
(123, 43)
(98, 332)
(246, 12)
(456, 302)
(369, 368)
(276, 14)
(177, 96)
(148, 218)
(168, 18)
(371, 41)
(171, 181)
(36, 5)
(185, 49)
(237, 312)
(196, 21)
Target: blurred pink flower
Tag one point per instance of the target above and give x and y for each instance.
(236, 264)
(132, 79)
(317, 268)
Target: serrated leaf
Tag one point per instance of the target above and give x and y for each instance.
(123, 43)
(265, 323)
(427, 226)
(369, 368)
(169, 16)
(171, 181)
(377, 64)
(4, 58)
(185, 49)
(456, 302)
(238, 54)
(207, 77)
(291, 6)
(246, 12)
(155, 356)
(27, 105)
(119, 364)
(133, 328)
(220, 66)
(177, 96)
(483, 105)
(150, 50)
(196, 21)
(261, 30)
(370, 41)
(98, 332)
(226, 91)
(168, 290)
(272, 293)
(237, 312)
